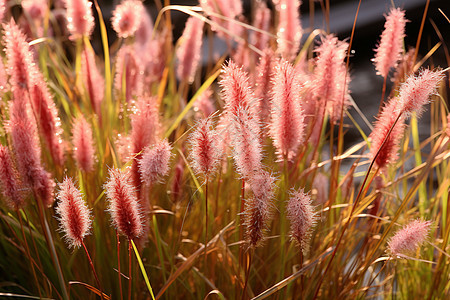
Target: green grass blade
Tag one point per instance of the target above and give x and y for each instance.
(144, 273)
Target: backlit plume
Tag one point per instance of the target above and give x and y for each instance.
(289, 31)
(92, 79)
(83, 144)
(301, 214)
(287, 121)
(390, 48)
(80, 20)
(9, 181)
(205, 152)
(188, 54)
(409, 238)
(74, 216)
(123, 204)
(127, 17)
(154, 164)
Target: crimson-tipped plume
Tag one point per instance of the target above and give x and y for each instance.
(9, 181)
(409, 238)
(83, 144)
(154, 164)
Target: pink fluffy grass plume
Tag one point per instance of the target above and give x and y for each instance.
(92, 79)
(127, 17)
(83, 144)
(188, 53)
(287, 120)
(154, 164)
(9, 181)
(416, 91)
(80, 20)
(246, 141)
(409, 238)
(128, 80)
(206, 153)
(331, 79)
(289, 30)
(123, 204)
(236, 89)
(47, 118)
(390, 48)
(20, 64)
(301, 214)
(2, 9)
(261, 21)
(258, 209)
(74, 216)
(388, 152)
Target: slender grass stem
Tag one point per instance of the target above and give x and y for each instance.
(129, 269)
(247, 273)
(93, 269)
(118, 265)
(206, 227)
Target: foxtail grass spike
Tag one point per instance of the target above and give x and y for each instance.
(289, 31)
(83, 144)
(123, 204)
(188, 54)
(127, 17)
(261, 21)
(409, 238)
(129, 73)
(80, 20)
(9, 181)
(154, 164)
(92, 79)
(388, 51)
(74, 216)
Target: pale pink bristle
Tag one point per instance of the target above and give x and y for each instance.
(92, 79)
(302, 216)
(331, 83)
(188, 53)
(74, 216)
(4, 87)
(83, 144)
(262, 22)
(263, 82)
(80, 20)
(20, 63)
(415, 93)
(289, 30)
(9, 181)
(143, 35)
(409, 238)
(388, 153)
(145, 129)
(390, 47)
(154, 164)
(246, 141)
(287, 120)
(129, 71)
(258, 209)
(47, 118)
(127, 17)
(205, 154)
(123, 204)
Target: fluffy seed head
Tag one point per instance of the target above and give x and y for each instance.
(20, 64)
(9, 181)
(2, 9)
(80, 20)
(258, 209)
(143, 34)
(390, 47)
(74, 216)
(262, 22)
(83, 144)
(246, 141)
(123, 204)
(188, 53)
(263, 83)
(204, 105)
(389, 152)
(129, 68)
(301, 214)
(409, 238)
(154, 164)
(287, 120)
(127, 17)
(92, 79)
(289, 31)
(205, 152)
(416, 91)
(331, 79)
(47, 118)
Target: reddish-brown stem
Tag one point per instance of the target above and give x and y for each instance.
(93, 269)
(206, 225)
(129, 269)
(383, 92)
(247, 273)
(118, 265)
